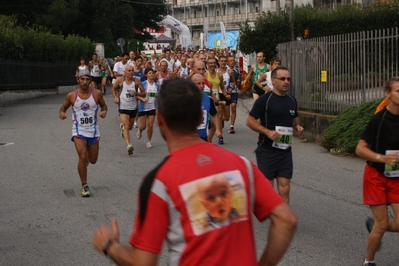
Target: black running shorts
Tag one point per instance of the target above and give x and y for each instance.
(274, 163)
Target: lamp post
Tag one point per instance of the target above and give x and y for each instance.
(277, 7)
(291, 17)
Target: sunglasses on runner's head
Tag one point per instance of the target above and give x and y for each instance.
(283, 78)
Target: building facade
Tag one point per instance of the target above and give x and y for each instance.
(232, 13)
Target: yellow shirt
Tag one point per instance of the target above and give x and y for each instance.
(215, 83)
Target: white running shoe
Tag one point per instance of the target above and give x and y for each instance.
(130, 149)
(148, 145)
(122, 129)
(138, 134)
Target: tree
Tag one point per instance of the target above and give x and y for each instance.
(101, 21)
(263, 37)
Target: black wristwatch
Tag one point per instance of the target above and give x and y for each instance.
(106, 246)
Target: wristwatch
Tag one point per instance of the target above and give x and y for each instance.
(106, 246)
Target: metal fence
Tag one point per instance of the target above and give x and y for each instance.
(330, 74)
(15, 75)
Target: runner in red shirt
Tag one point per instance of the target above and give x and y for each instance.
(201, 205)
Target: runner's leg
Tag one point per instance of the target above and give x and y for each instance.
(81, 149)
(380, 215)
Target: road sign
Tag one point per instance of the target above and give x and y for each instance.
(121, 42)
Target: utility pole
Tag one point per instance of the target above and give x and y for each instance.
(290, 5)
(277, 7)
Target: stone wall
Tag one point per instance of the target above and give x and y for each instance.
(8, 97)
(314, 124)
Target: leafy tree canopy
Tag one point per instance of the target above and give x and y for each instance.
(99, 20)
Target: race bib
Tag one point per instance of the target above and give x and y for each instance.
(86, 120)
(216, 93)
(283, 141)
(204, 120)
(391, 171)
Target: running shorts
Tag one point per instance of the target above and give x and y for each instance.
(89, 141)
(257, 90)
(223, 98)
(96, 79)
(131, 113)
(378, 189)
(274, 163)
(147, 113)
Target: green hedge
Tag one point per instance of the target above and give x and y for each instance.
(36, 44)
(342, 136)
(271, 29)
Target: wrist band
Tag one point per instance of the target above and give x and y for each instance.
(106, 246)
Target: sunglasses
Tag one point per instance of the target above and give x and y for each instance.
(283, 78)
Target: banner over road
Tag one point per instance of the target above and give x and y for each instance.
(178, 27)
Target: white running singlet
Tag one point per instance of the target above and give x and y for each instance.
(84, 116)
(151, 94)
(126, 100)
(95, 71)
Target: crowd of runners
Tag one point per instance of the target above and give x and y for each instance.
(137, 82)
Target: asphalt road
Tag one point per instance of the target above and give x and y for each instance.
(44, 221)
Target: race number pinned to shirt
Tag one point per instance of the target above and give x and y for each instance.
(283, 141)
(391, 171)
(216, 93)
(204, 121)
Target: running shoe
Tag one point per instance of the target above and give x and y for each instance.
(369, 264)
(148, 145)
(85, 191)
(231, 130)
(135, 125)
(138, 134)
(369, 226)
(221, 142)
(130, 149)
(122, 129)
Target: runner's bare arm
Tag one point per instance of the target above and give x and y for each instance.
(140, 85)
(100, 99)
(120, 254)
(233, 79)
(281, 231)
(222, 88)
(250, 74)
(297, 125)
(363, 150)
(115, 93)
(255, 125)
(260, 80)
(67, 103)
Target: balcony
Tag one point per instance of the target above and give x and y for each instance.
(185, 3)
(230, 21)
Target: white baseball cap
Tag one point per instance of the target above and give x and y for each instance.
(83, 72)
